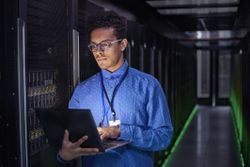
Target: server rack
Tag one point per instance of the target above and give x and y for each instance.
(181, 83)
(239, 97)
(133, 38)
(245, 147)
(2, 19)
(37, 70)
(146, 50)
(48, 69)
(88, 64)
(9, 134)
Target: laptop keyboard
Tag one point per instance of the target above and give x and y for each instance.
(109, 144)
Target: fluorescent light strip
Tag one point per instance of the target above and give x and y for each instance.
(190, 2)
(197, 11)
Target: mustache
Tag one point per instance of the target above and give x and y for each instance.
(100, 56)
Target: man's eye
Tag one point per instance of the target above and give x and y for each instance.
(104, 45)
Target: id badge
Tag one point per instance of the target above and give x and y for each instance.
(114, 123)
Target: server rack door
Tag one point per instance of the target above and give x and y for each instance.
(1, 83)
(160, 67)
(135, 54)
(1, 67)
(223, 76)
(133, 39)
(245, 128)
(146, 58)
(152, 60)
(141, 56)
(48, 73)
(204, 86)
(8, 99)
(88, 65)
(129, 53)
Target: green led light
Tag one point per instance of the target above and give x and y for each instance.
(238, 127)
(179, 138)
(237, 114)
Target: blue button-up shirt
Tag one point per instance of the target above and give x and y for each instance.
(142, 109)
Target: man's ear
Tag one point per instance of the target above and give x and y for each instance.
(124, 44)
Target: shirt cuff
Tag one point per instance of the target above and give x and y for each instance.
(125, 132)
(62, 161)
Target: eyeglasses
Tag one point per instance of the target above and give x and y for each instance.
(102, 46)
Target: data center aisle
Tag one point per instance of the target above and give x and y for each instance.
(209, 141)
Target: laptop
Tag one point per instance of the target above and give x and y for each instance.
(79, 122)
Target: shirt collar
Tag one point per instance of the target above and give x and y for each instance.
(120, 71)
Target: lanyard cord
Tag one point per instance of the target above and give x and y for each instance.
(113, 94)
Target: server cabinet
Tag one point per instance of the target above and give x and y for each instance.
(245, 127)
(8, 116)
(133, 35)
(88, 65)
(145, 51)
(223, 76)
(37, 72)
(48, 68)
(1, 78)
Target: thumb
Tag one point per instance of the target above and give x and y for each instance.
(66, 135)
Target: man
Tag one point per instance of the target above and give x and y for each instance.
(125, 103)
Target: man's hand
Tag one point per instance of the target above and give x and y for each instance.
(109, 132)
(71, 150)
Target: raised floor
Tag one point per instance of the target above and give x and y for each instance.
(209, 141)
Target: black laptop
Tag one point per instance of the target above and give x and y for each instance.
(79, 122)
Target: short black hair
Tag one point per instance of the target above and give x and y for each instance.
(108, 19)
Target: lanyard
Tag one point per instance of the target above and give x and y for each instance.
(113, 94)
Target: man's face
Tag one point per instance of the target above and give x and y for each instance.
(109, 53)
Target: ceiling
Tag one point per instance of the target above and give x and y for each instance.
(204, 22)
(221, 23)
(193, 15)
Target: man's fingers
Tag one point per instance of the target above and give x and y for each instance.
(104, 136)
(86, 151)
(100, 131)
(66, 135)
(101, 136)
(89, 151)
(103, 133)
(80, 141)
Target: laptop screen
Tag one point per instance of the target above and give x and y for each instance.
(79, 123)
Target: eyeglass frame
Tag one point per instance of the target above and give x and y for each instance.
(98, 46)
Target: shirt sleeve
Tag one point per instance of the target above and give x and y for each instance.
(156, 134)
(74, 102)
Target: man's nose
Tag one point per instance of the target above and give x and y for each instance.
(98, 53)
